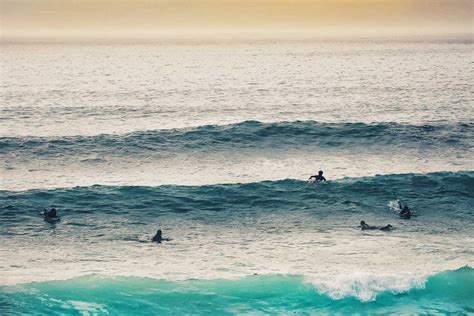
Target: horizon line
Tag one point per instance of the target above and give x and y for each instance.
(238, 38)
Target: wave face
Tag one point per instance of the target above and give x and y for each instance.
(444, 293)
(250, 151)
(283, 195)
(248, 135)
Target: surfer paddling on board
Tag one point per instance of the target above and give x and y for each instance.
(365, 226)
(158, 238)
(318, 178)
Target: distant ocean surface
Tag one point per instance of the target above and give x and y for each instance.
(213, 144)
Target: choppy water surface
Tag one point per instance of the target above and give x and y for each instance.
(213, 144)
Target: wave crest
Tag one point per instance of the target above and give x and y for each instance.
(365, 286)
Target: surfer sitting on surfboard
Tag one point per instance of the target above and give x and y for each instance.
(51, 216)
(158, 238)
(52, 213)
(319, 177)
(405, 212)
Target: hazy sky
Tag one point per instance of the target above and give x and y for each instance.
(125, 19)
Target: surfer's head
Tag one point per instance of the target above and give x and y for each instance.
(362, 223)
(158, 233)
(320, 172)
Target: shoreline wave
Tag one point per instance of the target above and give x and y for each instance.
(449, 291)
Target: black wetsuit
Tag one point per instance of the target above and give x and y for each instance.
(50, 214)
(318, 178)
(386, 228)
(158, 238)
(368, 227)
(405, 213)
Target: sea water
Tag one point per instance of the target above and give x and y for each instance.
(213, 144)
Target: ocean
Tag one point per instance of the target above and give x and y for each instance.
(213, 144)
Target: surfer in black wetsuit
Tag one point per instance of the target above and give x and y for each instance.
(158, 238)
(365, 226)
(405, 212)
(319, 177)
(52, 213)
(51, 216)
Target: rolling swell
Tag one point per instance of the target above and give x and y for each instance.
(247, 135)
(434, 192)
(445, 292)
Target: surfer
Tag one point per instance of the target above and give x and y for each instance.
(52, 213)
(319, 177)
(158, 238)
(405, 212)
(51, 216)
(365, 226)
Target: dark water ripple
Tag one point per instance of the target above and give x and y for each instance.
(249, 135)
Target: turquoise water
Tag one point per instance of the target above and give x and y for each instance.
(444, 293)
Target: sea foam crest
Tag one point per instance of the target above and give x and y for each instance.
(365, 286)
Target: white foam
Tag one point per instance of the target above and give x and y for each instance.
(365, 286)
(87, 308)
